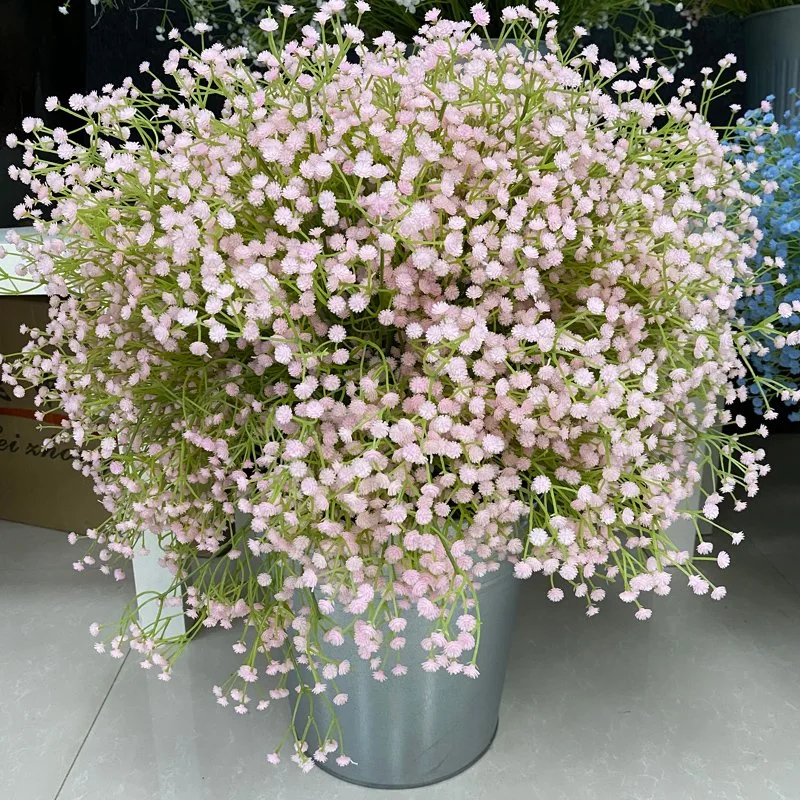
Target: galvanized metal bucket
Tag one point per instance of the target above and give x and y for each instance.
(424, 727)
(772, 56)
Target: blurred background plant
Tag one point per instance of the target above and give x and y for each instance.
(740, 8)
(641, 28)
(637, 27)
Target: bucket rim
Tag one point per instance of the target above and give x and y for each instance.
(504, 572)
(793, 7)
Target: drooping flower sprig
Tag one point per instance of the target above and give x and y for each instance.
(409, 317)
(772, 147)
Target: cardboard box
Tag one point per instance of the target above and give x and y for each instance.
(37, 486)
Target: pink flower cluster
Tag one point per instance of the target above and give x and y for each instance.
(410, 317)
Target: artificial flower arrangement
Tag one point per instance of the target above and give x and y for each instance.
(390, 311)
(773, 148)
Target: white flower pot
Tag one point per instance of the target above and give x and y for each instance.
(683, 532)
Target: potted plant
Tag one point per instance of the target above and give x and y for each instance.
(430, 322)
(772, 46)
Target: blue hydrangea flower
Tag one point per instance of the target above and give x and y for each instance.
(774, 149)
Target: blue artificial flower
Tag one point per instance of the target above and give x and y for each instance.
(776, 157)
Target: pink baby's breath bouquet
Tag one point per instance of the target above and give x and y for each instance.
(410, 317)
